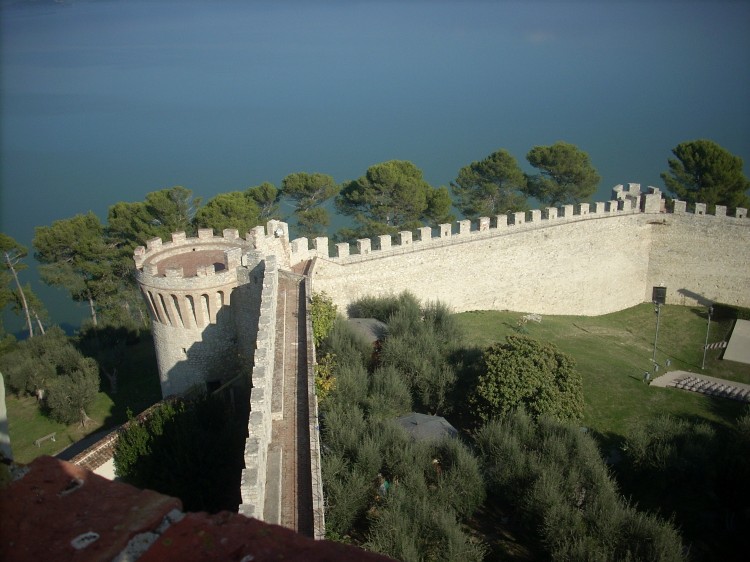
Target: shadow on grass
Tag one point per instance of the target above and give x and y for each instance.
(726, 409)
(127, 363)
(680, 470)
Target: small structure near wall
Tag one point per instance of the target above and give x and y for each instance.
(423, 427)
(738, 348)
(372, 329)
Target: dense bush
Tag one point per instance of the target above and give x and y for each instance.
(323, 315)
(410, 528)
(191, 450)
(677, 451)
(52, 368)
(730, 312)
(554, 478)
(420, 343)
(523, 372)
(431, 486)
(394, 495)
(389, 395)
(349, 347)
(382, 308)
(696, 471)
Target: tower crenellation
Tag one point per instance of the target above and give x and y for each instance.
(189, 285)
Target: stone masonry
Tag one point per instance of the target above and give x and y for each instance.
(587, 259)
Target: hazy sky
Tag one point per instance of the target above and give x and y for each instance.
(104, 101)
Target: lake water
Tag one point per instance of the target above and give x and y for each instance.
(105, 101)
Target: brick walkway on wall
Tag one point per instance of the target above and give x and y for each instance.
(288, 482)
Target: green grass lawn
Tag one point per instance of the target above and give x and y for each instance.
(138, 389)
(615, 350)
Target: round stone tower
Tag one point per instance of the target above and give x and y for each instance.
(188, 285)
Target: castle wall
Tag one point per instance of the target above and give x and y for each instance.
(589, 259)
(187, 358)
(246, 299)
(550, 267)
(316, 469)
(253, 481)
(204, 297)
(701, 259)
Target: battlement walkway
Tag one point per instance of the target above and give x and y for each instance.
(288, 480)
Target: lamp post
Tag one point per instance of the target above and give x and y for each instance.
(658, 297)
(708, 329)
(657, 309)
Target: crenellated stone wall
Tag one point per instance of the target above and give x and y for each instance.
(202, 294)
(700, 258)
(318, 501)
(585, 259)
(252, 485)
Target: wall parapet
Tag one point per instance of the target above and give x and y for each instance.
(175, 280)
(318, 502)
(261, 238)
(180, 243)
(626, 200)
(103, 450)
(253, 480)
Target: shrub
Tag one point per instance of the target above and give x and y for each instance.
(410, 528)
(389, 395)
(523, 372)
(730, 312)
(711, 461)
(350, 347)
(323, 316)
(191, 450)
(68, 396)
(347, 491)
(343, 427)
(554, 477)
(419, 346)
(382, 308)
(459, 481)
(364, 448)
(325, 381)
(675, 450)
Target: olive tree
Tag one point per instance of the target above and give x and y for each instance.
(524, 372)
(552, 476)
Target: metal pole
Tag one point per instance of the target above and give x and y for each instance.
(656, 337)
(708, 329)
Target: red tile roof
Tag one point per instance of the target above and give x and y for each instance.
(54, 510)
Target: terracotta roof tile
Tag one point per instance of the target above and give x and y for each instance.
(55, 510)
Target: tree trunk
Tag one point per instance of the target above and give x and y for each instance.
(38, 322)
(24, 304)
(144, 319)
(84, 418)
(93, 310)
(112, 378)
